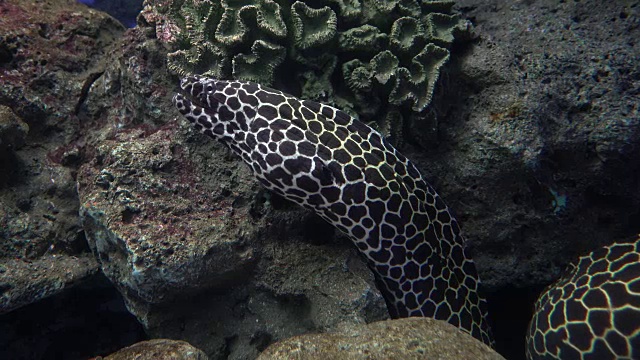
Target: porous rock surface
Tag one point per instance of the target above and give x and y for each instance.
(159, 349)
(409, 338)
(47, 51)
(155, 225)
(539, 153)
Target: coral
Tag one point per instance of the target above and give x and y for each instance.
(378, 59)
(364, 38)
(312, 27)
(267, 55)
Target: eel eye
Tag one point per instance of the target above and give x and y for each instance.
(209, 88)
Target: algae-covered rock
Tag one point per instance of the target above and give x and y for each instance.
(367, 57)
(48, 53)
(155, 226)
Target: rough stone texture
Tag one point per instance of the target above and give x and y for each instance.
(13, 130)
(156, 223)
(409, 338)
(47, 50)
(298, 288)
(539, 152)
(24, 282)
(159, 349)
(549, 120)
(50, 52)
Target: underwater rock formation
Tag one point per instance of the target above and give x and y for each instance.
(154, 246)
(13, 130)
(371, 58)
(408, 338)
(48, 49)
(159, 349)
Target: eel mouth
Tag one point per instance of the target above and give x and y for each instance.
(196, 91)
(183, 103)
(189, 91)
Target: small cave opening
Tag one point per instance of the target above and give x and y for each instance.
(82, 322)
(510, 310)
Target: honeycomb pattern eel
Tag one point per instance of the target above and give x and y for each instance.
(325, 160)
(593, 312)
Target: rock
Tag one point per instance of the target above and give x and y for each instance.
(13, 131)
(24, 282)
(409, 338)
(158, 227)
(47, 48)
(539, 153)
(159, 349)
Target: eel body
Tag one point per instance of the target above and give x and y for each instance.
(327, 161)
(593, 311)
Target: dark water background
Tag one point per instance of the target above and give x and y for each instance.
(123, 10)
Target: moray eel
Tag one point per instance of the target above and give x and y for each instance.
(593, 312)
(323, 159)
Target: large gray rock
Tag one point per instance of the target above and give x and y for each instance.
(47, 51)
(159, 349)
(409, 338)
(24, 282)
(540, 152)
(159, 224)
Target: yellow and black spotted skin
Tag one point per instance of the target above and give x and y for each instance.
(335, 165)
(593, 312)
